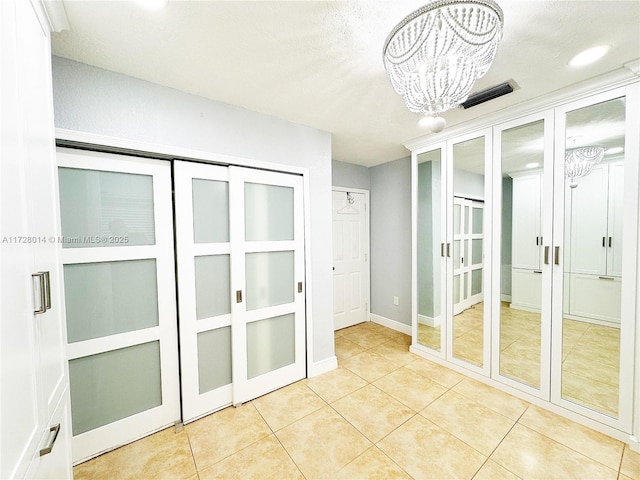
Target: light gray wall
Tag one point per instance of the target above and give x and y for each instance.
(429, 215)
(507, 222)
(349, 175)
(94, 100)
(391, 239)
(467, 183)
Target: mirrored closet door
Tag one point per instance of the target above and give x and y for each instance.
(524, 186)
(595, 245)
(468, 200)
(451, 243)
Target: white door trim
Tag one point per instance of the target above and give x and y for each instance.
(367, 246)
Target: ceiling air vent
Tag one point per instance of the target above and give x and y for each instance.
(486, 95)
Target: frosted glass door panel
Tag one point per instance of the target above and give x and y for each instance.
(214, 359)
(213, 293)
(268, 212)
(476, 220)
(210, 211)
(476, 251)
(476, 281)
(110, 297)
(270, 344)
(114, 385)
(270, 279)
(105, 209)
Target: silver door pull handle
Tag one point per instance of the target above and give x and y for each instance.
(47, 284)
(238, 296)
(556, 259)
(53, 435)
(42, 294)
(299, 287)
(546, 255)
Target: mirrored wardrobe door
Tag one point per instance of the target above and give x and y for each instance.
(430, 250)
(525, 156)
(467, 193)
(591, 256)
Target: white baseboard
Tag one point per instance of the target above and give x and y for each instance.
(634, 443)
(323, 366)
(430, 321)
(505, 298)
(387, 322)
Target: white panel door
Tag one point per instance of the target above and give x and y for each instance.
(119, 276)
(204, 286)
(240, 250)
(350, 262)
(615, 215)
(588, 217)
(267, 272)
(526, 222)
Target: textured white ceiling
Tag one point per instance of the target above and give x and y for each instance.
(319, 63)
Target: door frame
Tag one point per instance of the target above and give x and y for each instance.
(367, 245)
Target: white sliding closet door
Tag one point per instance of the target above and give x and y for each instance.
(117, 241)
(204, 286)
(240, 275)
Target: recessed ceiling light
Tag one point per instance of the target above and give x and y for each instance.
(532, 165)
(614, 150)
(152, 4)
(588, 56)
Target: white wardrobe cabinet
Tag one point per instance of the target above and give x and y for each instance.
(527, 252)
(595, 208)
(35, 430)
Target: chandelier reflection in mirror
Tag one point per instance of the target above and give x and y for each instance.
(435, 55)
(579, 162)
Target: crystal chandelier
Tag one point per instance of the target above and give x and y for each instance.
(579, 162)
(435, 55)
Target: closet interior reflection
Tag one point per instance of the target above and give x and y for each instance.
(522, 252)
(593, 231)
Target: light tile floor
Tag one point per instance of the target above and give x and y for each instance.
(384, 413)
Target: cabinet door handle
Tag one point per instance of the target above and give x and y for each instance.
(238, 296)
(546, 255)
(442, 249)
(556, 259)
(604, 239)
(42, 293)
(47, 284)
(537, 240)
(606, 278)
(610, 241)
(299, 287)
(53, 435)
(537, 271)
(448, 249)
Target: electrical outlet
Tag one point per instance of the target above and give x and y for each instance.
(396, 300)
